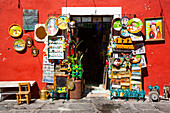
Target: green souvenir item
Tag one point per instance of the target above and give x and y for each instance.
(116, 24)
(76, 71)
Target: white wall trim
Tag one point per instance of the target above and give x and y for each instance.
(92, 11)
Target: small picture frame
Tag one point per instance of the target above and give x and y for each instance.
(29, 42)
(34, 51)
(154, 29)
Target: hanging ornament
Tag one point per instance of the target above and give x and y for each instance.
(29, 41)
(34, 51)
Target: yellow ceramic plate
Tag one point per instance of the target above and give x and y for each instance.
(19, 45)
(15, 30)
(62, 22)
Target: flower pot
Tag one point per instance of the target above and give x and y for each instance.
(76, 93)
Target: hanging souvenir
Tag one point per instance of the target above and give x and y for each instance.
(139, 49)
(29, 42)
(70, 84)
(117, 62)
(116, 24)
(72, 24)
(50, 26)
(136, 37)
(62, 22)
(134, 25)
(128, 59)
(124, 33)
(124, 21)
(34, 51)
(15, 30)
(136, 58)
(40, 33)
(19, 45)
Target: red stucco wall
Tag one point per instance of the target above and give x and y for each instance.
(17, 66)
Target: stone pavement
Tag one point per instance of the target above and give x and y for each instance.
(91, 104)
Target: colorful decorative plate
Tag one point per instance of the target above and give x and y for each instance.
(40, 33)
(124, 20)
(62, 22)
(134, 25)
(116, 24)
(15, 30)
(50, 26)
(70, 84)
(124, 33)
(19, 45)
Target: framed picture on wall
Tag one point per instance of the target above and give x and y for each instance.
(51, 26)
(154, 29)
(30, 19)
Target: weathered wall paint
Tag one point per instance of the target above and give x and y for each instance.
(23, 66)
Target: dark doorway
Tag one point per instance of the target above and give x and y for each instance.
(95, 36)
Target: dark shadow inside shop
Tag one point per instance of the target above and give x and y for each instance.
(93, 31)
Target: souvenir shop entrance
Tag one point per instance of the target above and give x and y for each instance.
(94, 31)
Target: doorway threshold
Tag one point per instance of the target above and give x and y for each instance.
(96, 91)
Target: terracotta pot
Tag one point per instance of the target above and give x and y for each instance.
(76, 93)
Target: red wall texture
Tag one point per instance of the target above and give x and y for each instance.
(16, 66)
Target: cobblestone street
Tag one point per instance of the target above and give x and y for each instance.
(86, 105)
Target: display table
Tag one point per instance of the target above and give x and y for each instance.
(10, 84)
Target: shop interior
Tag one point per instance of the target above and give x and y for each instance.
(93, 30)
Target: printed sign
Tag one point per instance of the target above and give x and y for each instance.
(55, 47)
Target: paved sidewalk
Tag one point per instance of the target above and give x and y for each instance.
(86, 105)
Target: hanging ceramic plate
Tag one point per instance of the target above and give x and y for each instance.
(40, 33)
(124, 20)
(116, 24)
(62, 22)
(70, 84)
(15, 30)
(134, 25)
(50, 26)
(19, 45)
(124, 33)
